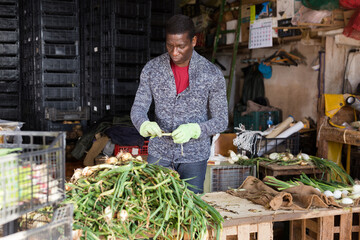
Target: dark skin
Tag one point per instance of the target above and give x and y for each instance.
(180, 48)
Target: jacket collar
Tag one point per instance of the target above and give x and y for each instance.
(192, 70)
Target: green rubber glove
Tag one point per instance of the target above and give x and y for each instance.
(148, 128)
(185, 132)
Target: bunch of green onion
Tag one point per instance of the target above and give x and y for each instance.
(138, 200)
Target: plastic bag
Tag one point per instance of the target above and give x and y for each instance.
(321, 4)
(6, 125)
(307, 15)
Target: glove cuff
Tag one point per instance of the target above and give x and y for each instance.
(197, 130)
(142, 129)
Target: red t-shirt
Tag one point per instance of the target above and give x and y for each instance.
(181, 75)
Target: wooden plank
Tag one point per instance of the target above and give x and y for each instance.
(265, 231)
(345, 226)
(312, 225)
(340, 135)
(326, 228)
(277, 167)
(295, 230)
(243, 232)
(303, 229)
(276, 170)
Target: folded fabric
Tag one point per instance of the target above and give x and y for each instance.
(300, 197)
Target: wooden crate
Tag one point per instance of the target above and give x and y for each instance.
(342, 227)
(256, 231)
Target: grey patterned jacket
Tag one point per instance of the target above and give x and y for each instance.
(203, 102)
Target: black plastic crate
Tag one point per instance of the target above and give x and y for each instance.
(54, 114)
(9, 100)
(9, 1)
(60, 22)
(48, 125)
(137, 57)
(58, 79)
(9, 36)
(135, 25)
(127, 8)
(163, 6)
(122, 104)
(28, 52)
(58, 65)
(9, 87)
(27, 78)
(41, 104)
(9, 10)
(58, 36)
(124, 88)
(130, 42)
(126, 57)
(158, 33)
(9, 23)
(58, 7)
(159, 19)
(56, 50)
(9, 62)
(9, 49)
(27, 66)
(100, 88)
(157, 47)
(128, 73)
(60, 93)
(6, 74)
(10, 113)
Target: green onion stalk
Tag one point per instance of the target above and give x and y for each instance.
(334, 170)
(279, 184)
(138, 200)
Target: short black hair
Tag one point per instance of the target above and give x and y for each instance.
(179, 24)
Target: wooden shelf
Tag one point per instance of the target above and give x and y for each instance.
(333, 134)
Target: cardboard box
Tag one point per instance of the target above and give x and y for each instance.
(225, 143)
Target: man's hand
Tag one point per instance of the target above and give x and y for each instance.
(150, 129)
(185, 132)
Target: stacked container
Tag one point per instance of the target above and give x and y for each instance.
(9, 60)
(117, 42)
(51, 63)
(161, 11)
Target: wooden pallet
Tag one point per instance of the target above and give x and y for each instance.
(260, 231)
(340, 227)
(247, 221)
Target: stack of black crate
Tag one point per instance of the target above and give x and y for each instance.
(51, 63)
(161, 11)
(95, 89)
(125, 49)
(9, 60)
(117, 46)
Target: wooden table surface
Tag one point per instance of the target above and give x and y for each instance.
(237, 211)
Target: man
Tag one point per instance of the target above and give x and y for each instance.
(190, 103)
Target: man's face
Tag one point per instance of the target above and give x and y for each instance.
(180, 48)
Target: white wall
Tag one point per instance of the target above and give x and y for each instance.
(335, 59)
(292, 89)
